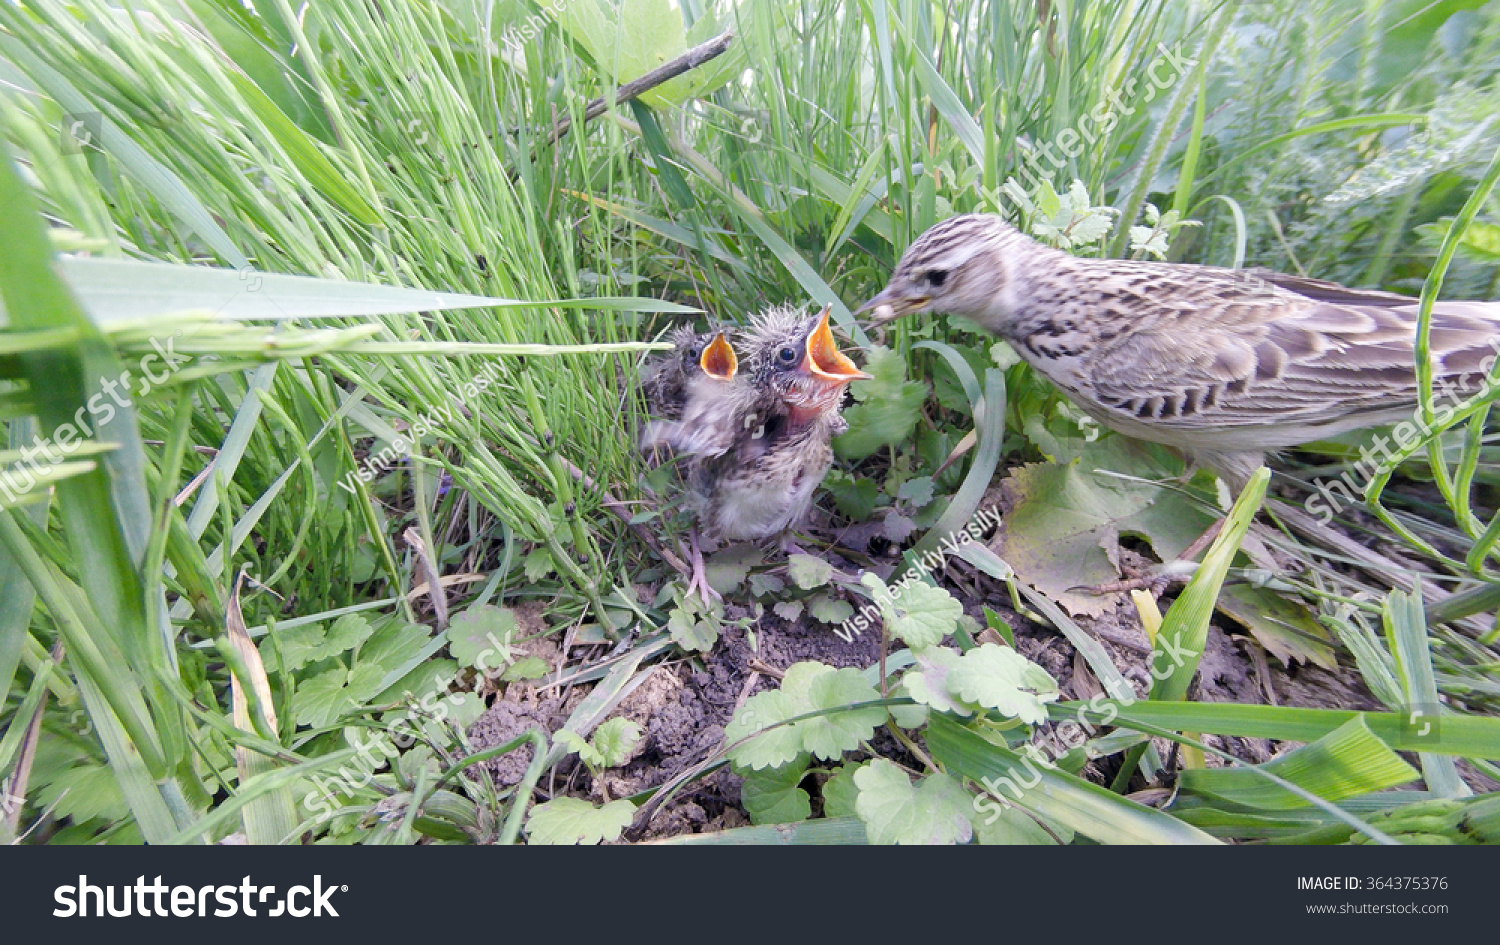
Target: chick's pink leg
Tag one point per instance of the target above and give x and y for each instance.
(699, 580)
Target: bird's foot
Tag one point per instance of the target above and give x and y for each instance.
(1156, 583)
(698, 582)
(1178, 571)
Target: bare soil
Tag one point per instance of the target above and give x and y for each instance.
(685, 703)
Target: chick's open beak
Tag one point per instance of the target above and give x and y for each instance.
(891, 304)
(824, 360)
(718, 360)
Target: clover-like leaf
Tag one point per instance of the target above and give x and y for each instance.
(615, 739)
(788, 610)
(481, 635)
(527, 667)
(576, 744)
(840, 793)
(808, 572)
(364, 682)
(927, 682)
(298, 646)
(347, 632)
(690, 632)
(726, 569)
(322, 699)
(773, 748)
(766, 585)
(917, 491)
(771, 796)
(897, 527)
(889, 406)
(311, 643)
(807, 687)
(919, 614)
(538, 564)
(854, 498)
(999, 678)
(936, 810)
(570, 820)
(829, 610)
(829, 736)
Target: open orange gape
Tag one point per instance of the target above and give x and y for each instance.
(822, 375)
(718, 359)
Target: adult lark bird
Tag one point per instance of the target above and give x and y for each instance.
(770, 446)
(1222, 364)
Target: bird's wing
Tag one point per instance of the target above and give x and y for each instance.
(696, 439)
(1323, 355)
(1320, 290)
(715, 417)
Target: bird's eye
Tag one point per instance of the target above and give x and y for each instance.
(786, 355)
(936, 278)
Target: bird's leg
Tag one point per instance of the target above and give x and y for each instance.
(699, 580)
(1168, 574)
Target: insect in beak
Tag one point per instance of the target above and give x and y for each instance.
(890, 305)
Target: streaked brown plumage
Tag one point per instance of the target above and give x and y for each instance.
(1222, 364)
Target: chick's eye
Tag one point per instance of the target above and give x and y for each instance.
(936, 278)
(786, 355)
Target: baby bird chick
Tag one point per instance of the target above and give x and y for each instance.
(700, 366)
(768, 442)
(666, 379)
(695, 392)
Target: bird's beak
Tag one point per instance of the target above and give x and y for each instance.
(824, 360)
(891, 304)
(718, 360)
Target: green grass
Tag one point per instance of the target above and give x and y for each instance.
(408, 146)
